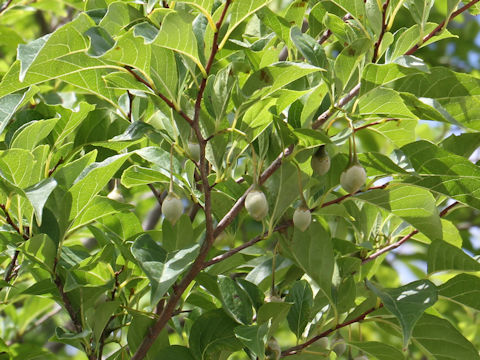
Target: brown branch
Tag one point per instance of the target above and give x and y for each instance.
(441, 26)
(11, 269)
(9, 272)
(51, 171)
(298, 348)
(245, 245)
(160, 95)
(5, 6)
(379, 122)
(12, 223)
(197, 265)
(382, 32)
(403, 239)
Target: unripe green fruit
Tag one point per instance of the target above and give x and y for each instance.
(323, 342)
(273, 350)
(302, 218)
(194, 151)
(320, 161)
(115, 194)
(353, 178)
(339, 347)
(256, 204)
(172, 208)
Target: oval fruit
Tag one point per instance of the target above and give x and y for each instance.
(194, 151)
(256, 204)
(320, 161)
(353, 178)
(172, 208)
(302, 218)
(115, 194)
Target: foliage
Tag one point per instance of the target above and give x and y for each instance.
(109, 109)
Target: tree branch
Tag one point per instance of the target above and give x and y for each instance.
(197, 265)
(5, 6)
(296, 349)
(441, 26)
(382, 32)
(160, 95)
(403, 239)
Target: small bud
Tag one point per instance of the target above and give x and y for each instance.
(353, 178)
(256, 204)
(320, 161)
(172, 208)
(302, 218)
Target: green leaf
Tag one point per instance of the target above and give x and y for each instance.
(313, 253)
(385, 103)
(207, 341)
(10, 103)
(462, 289)
(443, 172)
(457, 93)
(276, 76)
(420, 9)
(63, 56)
(177, 35)
(254, 337)
(442, 340)
(414, 205)
(378, 350)
(375, 75)
(163, 273)
(176, 352)
(38, 195)
(300, 313)
(235, 300)
(408, 302)
(99, 207)
(348, 59)
(90, 181)
(137, 331)
(102, 315)
(443, 256)
(136, 175)
(241, 10)
(42, 250)
(309, 48)
(276, 311)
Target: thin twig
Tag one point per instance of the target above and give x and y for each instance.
(296, 349)
(379, 122)
(245, 245)
(403, 239)
(382, 32)
(160, 95)
(441, 26)
(5, 6)
(12, 223)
